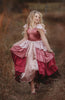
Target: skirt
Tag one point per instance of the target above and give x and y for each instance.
(30, 57)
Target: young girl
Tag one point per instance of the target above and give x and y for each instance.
(33, 57)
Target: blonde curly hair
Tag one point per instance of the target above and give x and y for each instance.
(30, 22)
(31, 15)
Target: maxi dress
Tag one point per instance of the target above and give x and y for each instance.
(31, 56)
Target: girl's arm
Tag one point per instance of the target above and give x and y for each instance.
(25, 35)
(44, 39)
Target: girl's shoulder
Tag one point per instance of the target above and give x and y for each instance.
(25, 25)
(41, 26)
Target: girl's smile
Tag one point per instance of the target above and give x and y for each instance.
(36, 18)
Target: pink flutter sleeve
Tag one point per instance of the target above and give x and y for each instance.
(39, 26)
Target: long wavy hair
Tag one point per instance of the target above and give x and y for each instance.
(30, 22)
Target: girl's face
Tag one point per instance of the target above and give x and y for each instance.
(36, 18)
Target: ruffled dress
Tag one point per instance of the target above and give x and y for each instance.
(31, 56)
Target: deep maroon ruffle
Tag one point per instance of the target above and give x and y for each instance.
(19, 63)
(45, 60)
(47, 69)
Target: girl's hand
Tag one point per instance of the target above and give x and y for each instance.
(50, 50)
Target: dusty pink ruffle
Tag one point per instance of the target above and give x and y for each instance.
(31, 56)
(17, 50)
(43, 56)
(39, 50)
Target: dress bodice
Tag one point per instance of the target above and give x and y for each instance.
(33, 34)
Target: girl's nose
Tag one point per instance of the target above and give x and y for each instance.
(37, 18)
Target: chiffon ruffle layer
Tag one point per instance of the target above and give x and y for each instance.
(30, 57)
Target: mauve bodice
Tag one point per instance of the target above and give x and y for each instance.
(33, 34)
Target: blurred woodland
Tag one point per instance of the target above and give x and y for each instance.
(13, 15)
